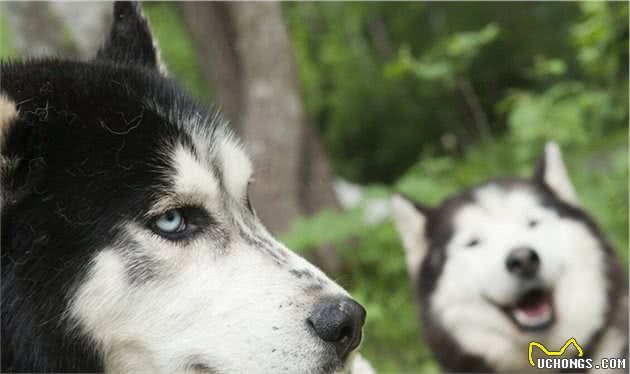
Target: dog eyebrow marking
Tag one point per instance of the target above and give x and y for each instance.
(235, 167)
(192, 178)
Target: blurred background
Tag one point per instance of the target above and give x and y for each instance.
(343, 103)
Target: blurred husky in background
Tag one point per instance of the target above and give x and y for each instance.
(129, 244)
(509, 262)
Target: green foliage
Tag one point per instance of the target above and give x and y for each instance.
(376, 119)
(392, 340)
(601, 37)
(568, 112)
(573, 91)
(375, 272)
(448, 59)
(7, 49)
(340, 67)
(328, 226)
(545, 67)
(176, 47)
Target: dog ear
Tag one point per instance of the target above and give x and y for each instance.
(130, 39)
(552, 172)
(410, 220)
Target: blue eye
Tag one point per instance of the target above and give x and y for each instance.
(180, 224)
(170, 222)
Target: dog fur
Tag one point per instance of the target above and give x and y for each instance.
(93, 154)
(456, 255)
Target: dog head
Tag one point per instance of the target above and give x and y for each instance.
(129, 243)
(504, 263)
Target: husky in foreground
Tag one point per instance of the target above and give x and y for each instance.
(129, 244)
(509, 262)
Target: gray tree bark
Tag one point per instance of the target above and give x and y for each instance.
(57, 28)
(273, 118)
(260, 85)
(212, 31)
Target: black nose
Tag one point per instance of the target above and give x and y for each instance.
(340, 322)
(523, 262)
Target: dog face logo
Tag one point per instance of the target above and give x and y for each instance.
(133, 244)
(505, 263)
(560, 352)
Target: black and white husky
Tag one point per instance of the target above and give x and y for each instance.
(509, 262)
(128, 241)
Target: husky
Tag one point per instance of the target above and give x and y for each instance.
(129, 244)
(509, 262)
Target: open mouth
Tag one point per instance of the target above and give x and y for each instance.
(532, 311)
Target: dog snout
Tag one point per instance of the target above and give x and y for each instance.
(339, 322)
(523, 262)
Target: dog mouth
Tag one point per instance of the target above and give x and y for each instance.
(533, 311)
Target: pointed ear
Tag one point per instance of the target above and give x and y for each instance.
(410, 220)
(552, 172)
(130, 39)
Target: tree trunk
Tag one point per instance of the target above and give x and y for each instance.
(58, 28)
(211, 29)
(293, 175)
(273, 117)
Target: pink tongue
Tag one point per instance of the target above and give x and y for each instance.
(534, 309)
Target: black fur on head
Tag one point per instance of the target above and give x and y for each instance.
(81, 155)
